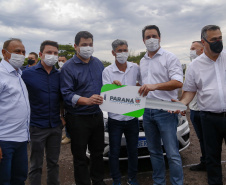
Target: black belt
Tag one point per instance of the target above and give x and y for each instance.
(222, 114)
(87, 115)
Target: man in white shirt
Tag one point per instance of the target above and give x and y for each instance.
(162, 75)
(14, 115)
(195, 51)
(122, 72)
(61, 61)
(207, 76)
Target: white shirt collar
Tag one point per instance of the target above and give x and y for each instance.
(115, 68)
(9, 67)
(159, 52)
(210, 60)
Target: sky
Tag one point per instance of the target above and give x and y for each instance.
(180, 22)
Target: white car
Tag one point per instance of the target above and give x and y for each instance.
(183, 134)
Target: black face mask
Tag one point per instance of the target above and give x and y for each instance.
(216, 47)
(30, 62)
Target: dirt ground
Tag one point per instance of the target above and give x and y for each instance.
(189, 157)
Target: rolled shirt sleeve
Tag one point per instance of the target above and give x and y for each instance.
(175, 70)
(189, 84)
(75, 99)
(67, 88)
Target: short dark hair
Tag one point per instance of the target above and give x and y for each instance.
(82, 34)
(150, 27)
(7, 42)
(35, 54)
(48, 42)
(208, 28)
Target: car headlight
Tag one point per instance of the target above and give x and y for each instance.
(181, 120)
(105, 125)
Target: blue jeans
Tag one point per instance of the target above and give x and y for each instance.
(196, 122)
(131, 131)
(14, 164)
(159, 124)
(214, 131)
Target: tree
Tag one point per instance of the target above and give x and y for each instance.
(0, 59)
(105, 63)
(136, 58)
(66, 50)
(25, 62)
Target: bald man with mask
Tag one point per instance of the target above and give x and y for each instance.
(196, 49)
(15, 115)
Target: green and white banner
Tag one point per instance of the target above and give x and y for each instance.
(126, 100)
(122, 100)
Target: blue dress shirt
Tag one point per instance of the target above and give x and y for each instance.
(44, 95)
(80, 79)
(14, 105)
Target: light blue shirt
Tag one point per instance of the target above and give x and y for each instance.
(14, 105)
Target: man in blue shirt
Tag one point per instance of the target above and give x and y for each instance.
(43, 84)
(15, 115)
(81, 81)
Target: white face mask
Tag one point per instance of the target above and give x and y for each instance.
(50, 60)
(86, 52)
(16, 60)
(122, 57)
(152, 44)
(60, 64)
(193, 54)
